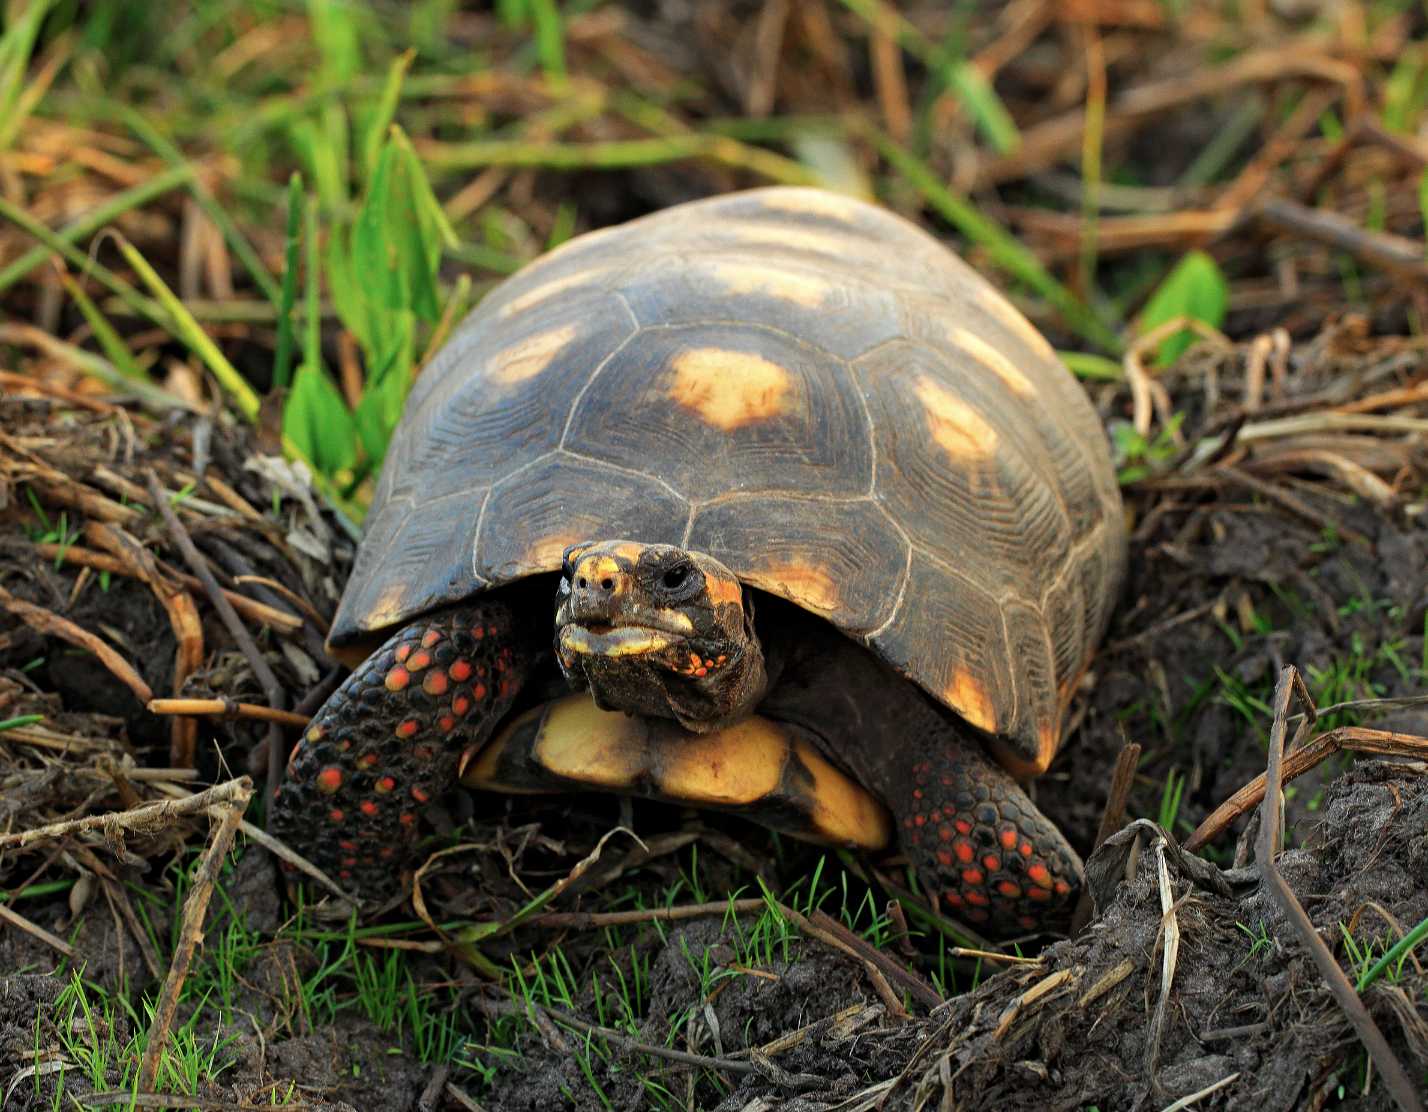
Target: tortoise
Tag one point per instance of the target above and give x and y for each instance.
(830, 535)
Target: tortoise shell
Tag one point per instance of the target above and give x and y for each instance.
(808, 388)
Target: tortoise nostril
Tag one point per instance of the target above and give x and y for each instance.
(581, 583)
(607, 583)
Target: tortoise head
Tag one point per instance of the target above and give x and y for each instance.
(657, 630)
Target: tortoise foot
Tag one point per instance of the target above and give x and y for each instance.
(388, 741)
(982, 848)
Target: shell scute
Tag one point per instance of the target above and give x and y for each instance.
(718, 407)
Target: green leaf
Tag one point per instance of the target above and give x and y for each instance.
(1085, 364)
(317, 420)
(374, 128)
(1195, 288)
(16, 45)
(987, 109)
(396, 241)
(388, 379)
(338, 38)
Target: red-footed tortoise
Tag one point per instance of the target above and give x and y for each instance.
(820, 513)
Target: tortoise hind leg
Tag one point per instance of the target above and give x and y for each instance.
(980, 845)
(388, 740)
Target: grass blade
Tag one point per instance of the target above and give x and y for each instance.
(16, 46)
(104, 332)
(55, 244)
(964, 79)
(1004, 250)
(92, 221)
(236, 240)
(283, 357)
(188, 330)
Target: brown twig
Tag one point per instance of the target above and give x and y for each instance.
(272, 690)
(1045, 144)
(1358, 738)
(250, 608)
(1111, 818)
(832, 933)
(45, 621)
(1396, 254)
(191, 932)
(148, 819)
(227, 708)
(1394, 1076)
(18, 921)
(591, 920)
(183, 620)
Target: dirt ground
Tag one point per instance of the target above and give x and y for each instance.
(1240, 563)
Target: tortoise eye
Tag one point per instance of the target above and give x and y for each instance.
(675, 577)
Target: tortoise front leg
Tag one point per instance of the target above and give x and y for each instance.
(388, 740)
(980, 846)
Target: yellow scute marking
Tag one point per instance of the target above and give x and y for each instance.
(789, 238)
(842, 811)
(388, 607)
(998, 306)
(730, 389)
(782, 285)
(968, 696)
(1047, 735)
(546, 292)
(812, 202)
(545, 553)
(806, 584)
(992, 359)
(531, 356)
(960, 430)
(581, 742)
(738, 764)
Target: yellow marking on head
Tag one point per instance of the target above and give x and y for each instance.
(738, 764)
(969, 697)
(620, 641)
(730, 389)
(1003, 310)
(812, 202)
(991, 358)
(722, 589)
(781, 285)
(626, 550)
(581, 742)
(843, 812)
(530, 356)
(550, 289)
(962, 432)
(809, 585)
(596, 566)
(676, 618)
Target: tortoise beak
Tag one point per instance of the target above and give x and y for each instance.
(600, 639)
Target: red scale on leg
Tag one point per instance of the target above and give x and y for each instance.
(995, 852)
(403, 722)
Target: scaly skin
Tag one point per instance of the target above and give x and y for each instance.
(981, 846)
(388, 741)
